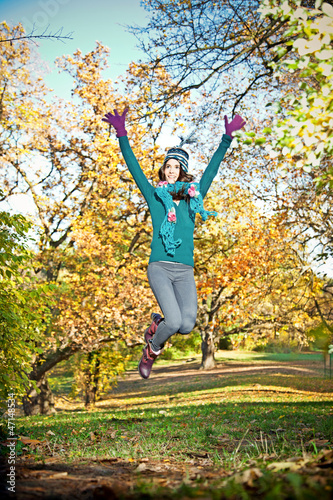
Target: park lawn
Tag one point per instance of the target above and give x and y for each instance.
(250, 418)
(278, 426)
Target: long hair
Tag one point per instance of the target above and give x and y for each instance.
(183, 177)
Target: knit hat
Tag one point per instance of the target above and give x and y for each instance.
(163, 192)
(178, 154)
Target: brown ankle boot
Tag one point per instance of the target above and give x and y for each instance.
(147, 361)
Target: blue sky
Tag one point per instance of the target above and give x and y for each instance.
(102, 20)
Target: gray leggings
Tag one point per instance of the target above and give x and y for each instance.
(174, 288)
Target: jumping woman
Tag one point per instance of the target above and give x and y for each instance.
(173, 205)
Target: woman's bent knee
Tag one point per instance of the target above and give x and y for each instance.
(172, 325)
(187, 326)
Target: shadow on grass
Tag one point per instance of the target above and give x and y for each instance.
(179, 378)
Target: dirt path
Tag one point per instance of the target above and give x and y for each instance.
(106, 479)
(114, 478)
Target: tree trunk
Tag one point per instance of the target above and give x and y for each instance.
(39, 403)
(91, 380)
(42, 403)
(208, 350)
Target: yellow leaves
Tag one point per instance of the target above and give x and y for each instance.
(305, 46)
(280, 466)
(328, 10)
(325, 54)
(308, 117)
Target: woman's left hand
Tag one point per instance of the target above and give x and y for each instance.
(117, 121)
(236, 124)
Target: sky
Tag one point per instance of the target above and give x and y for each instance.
(90, 21)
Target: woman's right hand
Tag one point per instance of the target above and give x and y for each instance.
(117, 121)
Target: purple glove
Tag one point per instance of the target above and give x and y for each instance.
(117, 121)
(236, 124)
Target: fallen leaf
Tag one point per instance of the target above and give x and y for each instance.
(28, 441)
(248, 476)
(326, 455)
(319, 443)
(141, 467)
(111, 433)
(223, 440)
(58, 475)
(277, 466)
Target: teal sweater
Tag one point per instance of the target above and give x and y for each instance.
(185, 226)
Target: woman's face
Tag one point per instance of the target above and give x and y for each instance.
(172, 171)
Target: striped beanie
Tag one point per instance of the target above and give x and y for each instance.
(180, 155)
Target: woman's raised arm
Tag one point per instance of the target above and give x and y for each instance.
(118, 122)
(207, 178)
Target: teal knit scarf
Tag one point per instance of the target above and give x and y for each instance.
(163, 192)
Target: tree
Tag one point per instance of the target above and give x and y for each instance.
(305, 134)
(24, 307)
(252, 278)
(97, 371)
(291, 193)
(236, 256)
(204, 44)
(294, 195)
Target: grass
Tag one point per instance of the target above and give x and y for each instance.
(206, 422)
(231, 420)
(288, 413)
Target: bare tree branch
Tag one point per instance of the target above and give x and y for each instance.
(45, 35)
